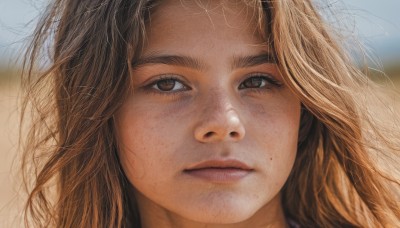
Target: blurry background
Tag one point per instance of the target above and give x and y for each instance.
(376, 24)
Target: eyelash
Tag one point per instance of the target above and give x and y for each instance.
(270, 83)
(149, 87)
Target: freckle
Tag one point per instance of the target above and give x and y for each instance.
(225, 153)
(260, 109)
(270, 158)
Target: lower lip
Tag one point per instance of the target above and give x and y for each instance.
(220, 175)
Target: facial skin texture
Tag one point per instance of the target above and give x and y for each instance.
(211, 114)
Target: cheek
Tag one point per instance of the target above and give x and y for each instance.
(145, 142)
(277, 120)
(276, 132)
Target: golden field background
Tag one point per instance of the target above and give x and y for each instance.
(10, 190)
(11, 194)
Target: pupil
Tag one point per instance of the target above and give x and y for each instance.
(166, 85)
(253, 82)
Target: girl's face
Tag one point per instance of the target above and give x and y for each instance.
(209, 133)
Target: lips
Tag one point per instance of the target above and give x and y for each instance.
(219, 171)
(231, 163)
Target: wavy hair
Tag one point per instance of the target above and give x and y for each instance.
(70, 164)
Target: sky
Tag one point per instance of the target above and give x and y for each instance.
(376, 23)
(377, 18)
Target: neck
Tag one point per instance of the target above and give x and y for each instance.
(152, 215)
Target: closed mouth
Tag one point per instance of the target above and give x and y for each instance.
(219, 171)
(220, 164)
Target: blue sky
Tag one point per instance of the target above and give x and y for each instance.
(377, 23)
(376, 18)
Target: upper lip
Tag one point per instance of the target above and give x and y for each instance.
(221, 164)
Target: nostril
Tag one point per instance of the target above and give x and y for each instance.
(208, 134)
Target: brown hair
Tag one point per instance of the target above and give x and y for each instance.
(71, 146)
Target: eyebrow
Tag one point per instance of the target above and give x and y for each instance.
(175, 60)
(252, 60)
(190, 62)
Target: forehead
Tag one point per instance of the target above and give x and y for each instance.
(173, 22)
(207, 6)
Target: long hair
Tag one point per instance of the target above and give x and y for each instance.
(72, 171)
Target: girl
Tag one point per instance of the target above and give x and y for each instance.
(201, 114)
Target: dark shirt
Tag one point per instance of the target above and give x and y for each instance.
(292, 224)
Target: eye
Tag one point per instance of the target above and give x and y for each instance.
(259, 81)
(168, 85)
(254, 82)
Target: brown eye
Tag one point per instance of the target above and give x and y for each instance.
(260, 82)
(254, 82)
(167, 85)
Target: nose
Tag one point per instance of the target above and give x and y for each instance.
(219, 121)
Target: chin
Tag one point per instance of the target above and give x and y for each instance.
(222, 212)
(220, 217)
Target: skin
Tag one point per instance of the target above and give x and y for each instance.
(207, 113)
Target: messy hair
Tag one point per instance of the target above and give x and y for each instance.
(71, 167)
